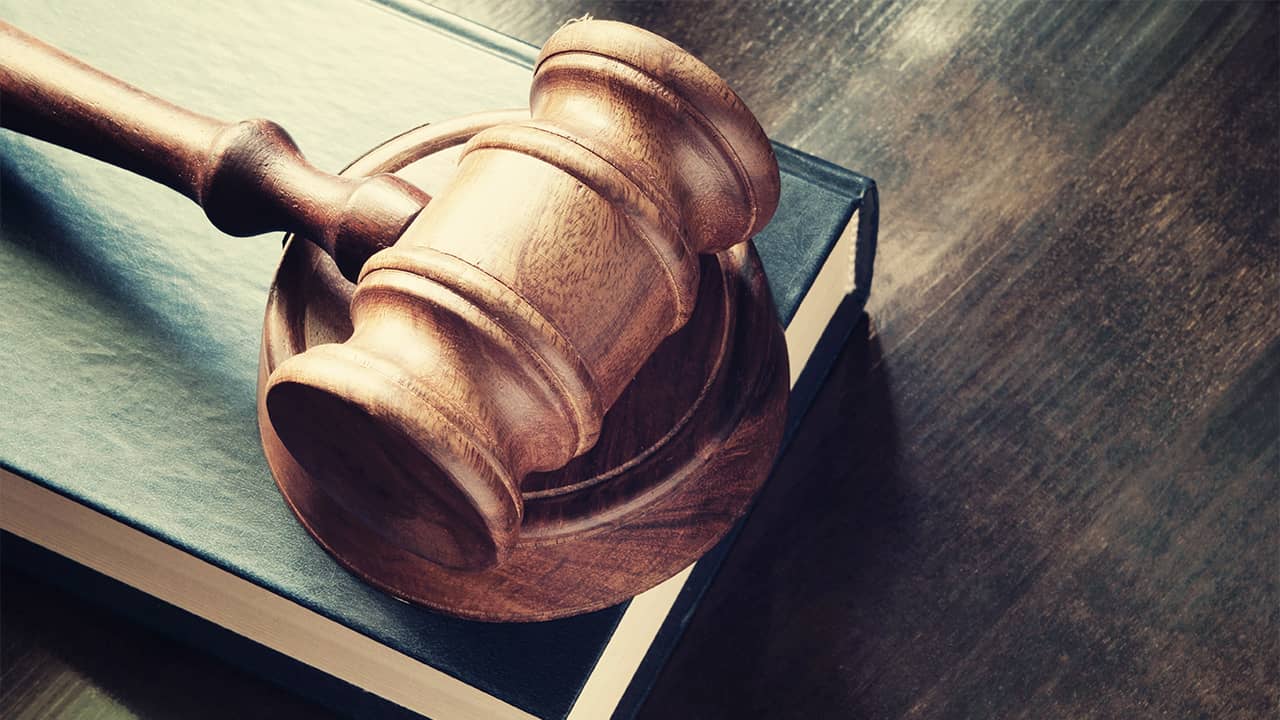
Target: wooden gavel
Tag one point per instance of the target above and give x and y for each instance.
(496, 323)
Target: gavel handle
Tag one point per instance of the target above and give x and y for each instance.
(249, 176)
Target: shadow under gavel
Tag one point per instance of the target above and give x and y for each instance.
(495, 324)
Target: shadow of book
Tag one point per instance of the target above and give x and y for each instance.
(831, 525)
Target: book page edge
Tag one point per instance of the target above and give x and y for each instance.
(112, 548)
(97, 541)
(643, 619)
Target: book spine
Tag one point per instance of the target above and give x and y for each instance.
(195, 632)
(865, 212)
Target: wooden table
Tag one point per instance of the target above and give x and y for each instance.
(1043, 481)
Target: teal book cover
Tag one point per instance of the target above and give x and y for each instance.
(129, 449)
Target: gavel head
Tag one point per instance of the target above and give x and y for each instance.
(492, 338)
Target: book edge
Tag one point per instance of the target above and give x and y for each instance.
(630, 643)
(85, 535)
(460, 28)
(97, 541)
(803, 339)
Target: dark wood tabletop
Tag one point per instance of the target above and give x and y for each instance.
(1043, 479)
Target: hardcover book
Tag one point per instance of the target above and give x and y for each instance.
(130, 464)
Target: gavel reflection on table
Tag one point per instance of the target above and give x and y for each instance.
(547, 388)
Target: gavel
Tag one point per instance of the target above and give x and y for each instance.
(493, 325)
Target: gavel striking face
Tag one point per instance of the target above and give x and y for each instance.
(508, 315)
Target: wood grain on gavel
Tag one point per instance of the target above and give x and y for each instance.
(528, 294)
(489, 341)
(249, 176)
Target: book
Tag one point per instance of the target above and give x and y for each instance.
(130, 467)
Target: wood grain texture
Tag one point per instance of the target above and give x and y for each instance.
(1052, 492)
(496, 327)
(1045, 483)
(249, 177)
(491, 340)
(677, 459)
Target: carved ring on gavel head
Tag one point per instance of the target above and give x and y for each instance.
(564, 381)
(491, 339)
